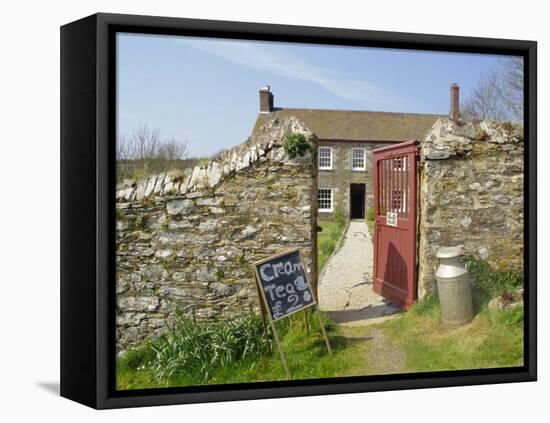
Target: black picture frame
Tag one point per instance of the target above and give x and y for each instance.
(88, 113)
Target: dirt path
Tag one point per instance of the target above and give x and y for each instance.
(345, 288)
(383, 356)
(346, 294)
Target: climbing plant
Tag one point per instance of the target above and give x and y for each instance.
(296, 144)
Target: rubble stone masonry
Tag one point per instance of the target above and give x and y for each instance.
(471, 194)
(187, 239)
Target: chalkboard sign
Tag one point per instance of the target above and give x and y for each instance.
(283, 284)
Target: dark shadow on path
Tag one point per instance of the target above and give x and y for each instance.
(367, 313)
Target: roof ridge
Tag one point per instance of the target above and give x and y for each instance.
(356, 111)
(357, 125)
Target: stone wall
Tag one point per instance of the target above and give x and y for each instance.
(188, 239)
(471, 194)
(341, 175)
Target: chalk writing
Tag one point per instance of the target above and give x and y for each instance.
(284, 284)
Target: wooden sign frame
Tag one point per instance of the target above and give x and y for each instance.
(266, 310)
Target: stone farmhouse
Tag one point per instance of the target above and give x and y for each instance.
(346, 141)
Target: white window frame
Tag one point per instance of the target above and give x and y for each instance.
(319, 158)
(364, 167)
(319, 209)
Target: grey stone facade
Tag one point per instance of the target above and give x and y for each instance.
(341, 176)
(343, 130)
(188, 239)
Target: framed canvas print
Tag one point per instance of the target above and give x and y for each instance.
(256, 211)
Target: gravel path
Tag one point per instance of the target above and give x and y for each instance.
(345, 288)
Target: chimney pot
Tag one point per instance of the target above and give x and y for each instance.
(266, 99)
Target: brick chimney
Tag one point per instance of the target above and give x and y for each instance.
(454, 112)
(266, 99)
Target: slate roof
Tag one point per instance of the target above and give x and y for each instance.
(357, 125)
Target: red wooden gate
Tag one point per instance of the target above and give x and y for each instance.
(395, 201)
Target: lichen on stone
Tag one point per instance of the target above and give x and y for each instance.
(202, 236)
(471, 193)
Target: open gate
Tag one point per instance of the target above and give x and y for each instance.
(395, 210)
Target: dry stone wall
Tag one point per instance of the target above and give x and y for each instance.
(187, 240)
(471, 194)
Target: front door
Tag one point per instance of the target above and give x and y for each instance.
(395, 194)
(357, 201)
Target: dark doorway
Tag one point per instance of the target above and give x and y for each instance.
(357, 201)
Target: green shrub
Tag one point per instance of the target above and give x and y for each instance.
(199, 348)
(340, 219)
(512, 317)
(296, 144)
(493, 282)
(370, 214)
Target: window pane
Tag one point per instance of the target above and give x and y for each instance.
(325, 157)
(358, 158)
(324, 199)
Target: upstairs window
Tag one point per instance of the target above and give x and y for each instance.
(325, 158)
(324, 200)
(358, 159)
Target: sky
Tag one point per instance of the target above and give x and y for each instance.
(205, 91)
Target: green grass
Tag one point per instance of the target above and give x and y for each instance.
(307, 358)
(370, 220)
(492, 339)
(326, 239)
(237, 351)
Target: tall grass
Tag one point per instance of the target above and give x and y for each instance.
(194, 353)
(197, 348)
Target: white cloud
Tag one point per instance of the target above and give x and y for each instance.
(263, 57)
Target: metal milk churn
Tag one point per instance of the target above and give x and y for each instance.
(453, 285)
